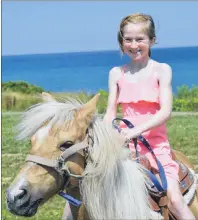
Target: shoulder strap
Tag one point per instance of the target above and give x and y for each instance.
(124, 69)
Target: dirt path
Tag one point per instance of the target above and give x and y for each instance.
(184, 113)
(173, 113)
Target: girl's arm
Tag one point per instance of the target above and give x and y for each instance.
(165, 87)
(111, 110)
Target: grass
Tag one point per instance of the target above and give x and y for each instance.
(182, 132)
(15, 101)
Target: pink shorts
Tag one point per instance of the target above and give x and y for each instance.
(157, 138)
(171, 167)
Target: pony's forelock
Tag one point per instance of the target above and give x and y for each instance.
(51, 113)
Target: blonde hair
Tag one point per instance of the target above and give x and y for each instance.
(136, 19)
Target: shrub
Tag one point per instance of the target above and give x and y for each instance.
(12, 101)
(22, 87)
(183, 105)
(102, 103)
(186, 99)
(184, 92)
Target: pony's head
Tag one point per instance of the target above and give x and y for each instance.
(53, 128)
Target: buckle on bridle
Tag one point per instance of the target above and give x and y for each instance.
(60, 162)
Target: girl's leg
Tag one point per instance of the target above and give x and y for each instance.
(67, 214)
(176, 202)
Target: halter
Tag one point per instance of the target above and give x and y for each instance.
(58, 164)
(62, 168)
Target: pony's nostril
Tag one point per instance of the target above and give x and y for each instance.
(20, 194)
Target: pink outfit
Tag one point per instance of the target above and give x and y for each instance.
(139, 102)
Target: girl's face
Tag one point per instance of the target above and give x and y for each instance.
(136, 43)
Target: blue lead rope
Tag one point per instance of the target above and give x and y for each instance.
(70, 199)
(161, 188)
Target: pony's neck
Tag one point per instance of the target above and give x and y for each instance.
(114, 185)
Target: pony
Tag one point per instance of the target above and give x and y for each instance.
(73, 149)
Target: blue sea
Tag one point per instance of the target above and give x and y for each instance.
(88, 71)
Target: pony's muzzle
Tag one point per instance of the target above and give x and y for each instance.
(19, 201)
(18, 194)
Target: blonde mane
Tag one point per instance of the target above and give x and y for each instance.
(114, 185)
(51, 112)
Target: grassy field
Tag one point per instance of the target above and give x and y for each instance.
(182, 132)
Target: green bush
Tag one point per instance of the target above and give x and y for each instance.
(102, 103)
(22, 87)
(184, 92)
(186, 99)
(183, 105)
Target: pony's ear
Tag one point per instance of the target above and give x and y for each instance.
(47, 97)
(89, 108)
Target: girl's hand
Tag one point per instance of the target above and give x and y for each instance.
(130, 133)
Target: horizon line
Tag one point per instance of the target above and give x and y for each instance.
(90, 51)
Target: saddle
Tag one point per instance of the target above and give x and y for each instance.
(158, 200)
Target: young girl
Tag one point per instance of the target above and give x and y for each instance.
(143, 88)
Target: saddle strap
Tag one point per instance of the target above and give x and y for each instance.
(165, 212)
(172, 217)
(163, 203)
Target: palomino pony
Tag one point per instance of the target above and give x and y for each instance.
(73, 149)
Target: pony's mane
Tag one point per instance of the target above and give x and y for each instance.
(51, 112)
(114, 185)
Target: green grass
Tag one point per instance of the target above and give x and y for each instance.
(182, 132)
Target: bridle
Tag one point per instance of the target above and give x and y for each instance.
(61, 167)
(59, 164)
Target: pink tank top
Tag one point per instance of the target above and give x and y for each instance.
(140, 102)
(145, 90)
(139, 98)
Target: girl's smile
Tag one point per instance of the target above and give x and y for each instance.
(136, 43)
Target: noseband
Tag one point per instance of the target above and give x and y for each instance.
(59, 164)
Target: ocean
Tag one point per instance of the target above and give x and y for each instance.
(88, 71)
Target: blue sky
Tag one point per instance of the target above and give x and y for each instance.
(64, 26)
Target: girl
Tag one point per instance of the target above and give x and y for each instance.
(143, 88)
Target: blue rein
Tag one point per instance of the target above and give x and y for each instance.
(70, 199)
(161, 187)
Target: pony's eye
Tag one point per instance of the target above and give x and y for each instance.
(66, 145)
